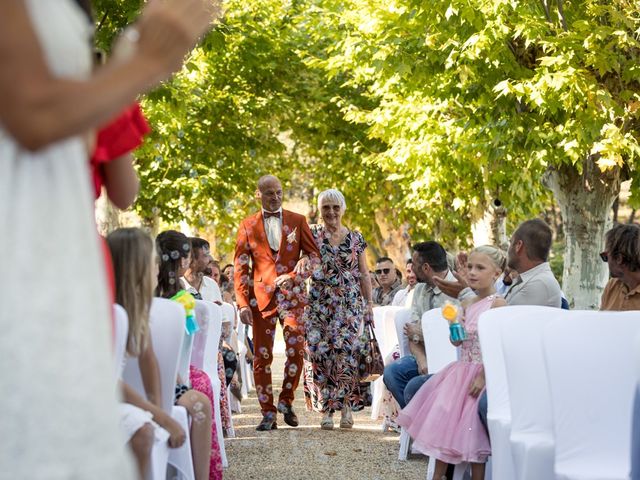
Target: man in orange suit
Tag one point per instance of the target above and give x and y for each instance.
(268, 291)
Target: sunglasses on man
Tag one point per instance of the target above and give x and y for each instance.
(380, 271)
(604, 256)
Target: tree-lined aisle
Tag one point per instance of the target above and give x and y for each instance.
(307, 452)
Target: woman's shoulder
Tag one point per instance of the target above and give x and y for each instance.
(356, 234)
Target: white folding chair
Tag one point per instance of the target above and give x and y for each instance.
(532, 442)
(167, 334)
(210, 366)
(385, 330)
(590, 360)
(499, 407)
(440, 353)
(120, 334)
(229, 315)
(246, 370)
(401, 318)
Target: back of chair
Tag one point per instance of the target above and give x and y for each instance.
(490, 332)
(167, 334)
(203, 317)
(440, 351)
(120, 334)
(229, 313)
(590, 360)
(524, 363)
(402, 317)
(385, 328)
(211, 348)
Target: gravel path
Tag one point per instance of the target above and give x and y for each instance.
(309, 453)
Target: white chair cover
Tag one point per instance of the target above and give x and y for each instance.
(440, 353)
(210, 366)
(246, 370)
(120, 334)
(229, 313)
(385, 331)
(590, 360)
(499, 412)
(439, 350)
(401, 318)
(532, 442)
(167, 334)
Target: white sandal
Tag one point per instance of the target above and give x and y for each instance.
(346, 420)
(327, 421)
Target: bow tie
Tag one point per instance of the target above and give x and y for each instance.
(266, 214)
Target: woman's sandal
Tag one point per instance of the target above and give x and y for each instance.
(346, 420)
(327, 421)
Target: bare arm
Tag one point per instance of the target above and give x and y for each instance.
(365, 279)
(37, 108)
(150, 373)
(121, 181)
(176, 433)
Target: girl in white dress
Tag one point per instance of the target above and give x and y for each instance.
(57, 398)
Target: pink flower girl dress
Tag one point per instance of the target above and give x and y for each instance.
(442, 417)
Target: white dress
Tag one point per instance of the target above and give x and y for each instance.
(58, 414)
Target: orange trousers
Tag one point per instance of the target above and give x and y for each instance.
(264, 330)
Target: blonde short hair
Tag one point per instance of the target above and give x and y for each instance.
(332, 195)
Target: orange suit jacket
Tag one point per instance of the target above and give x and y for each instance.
(256, 267)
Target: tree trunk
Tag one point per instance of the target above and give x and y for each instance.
(394, 242)
(107, 216)
(491, 229)
(585, 201)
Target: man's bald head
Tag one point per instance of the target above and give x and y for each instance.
(267, 181)
(270, 192)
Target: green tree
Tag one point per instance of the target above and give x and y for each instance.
(483, 99)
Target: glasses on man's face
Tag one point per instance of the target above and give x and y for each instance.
(380, 271)
(604, 256)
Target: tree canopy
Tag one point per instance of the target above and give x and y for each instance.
(422, 113)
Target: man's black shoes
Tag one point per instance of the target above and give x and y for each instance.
(290, 418)
(268, 422)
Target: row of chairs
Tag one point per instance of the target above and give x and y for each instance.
(560, 388)
(168, 333)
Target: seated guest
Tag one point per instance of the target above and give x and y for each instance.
(214, 268)
(535, 284)
(622, 254)
(194, 393)
(228, 270)
(133, 258)
(388, 281)
(404, 296)
(404, 377)
(195, 279)
(442, 416)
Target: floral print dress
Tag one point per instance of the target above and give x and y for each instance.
(332, 321)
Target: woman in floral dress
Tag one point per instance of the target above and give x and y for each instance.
(339, 303)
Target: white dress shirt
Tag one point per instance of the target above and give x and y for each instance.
(273, 229)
